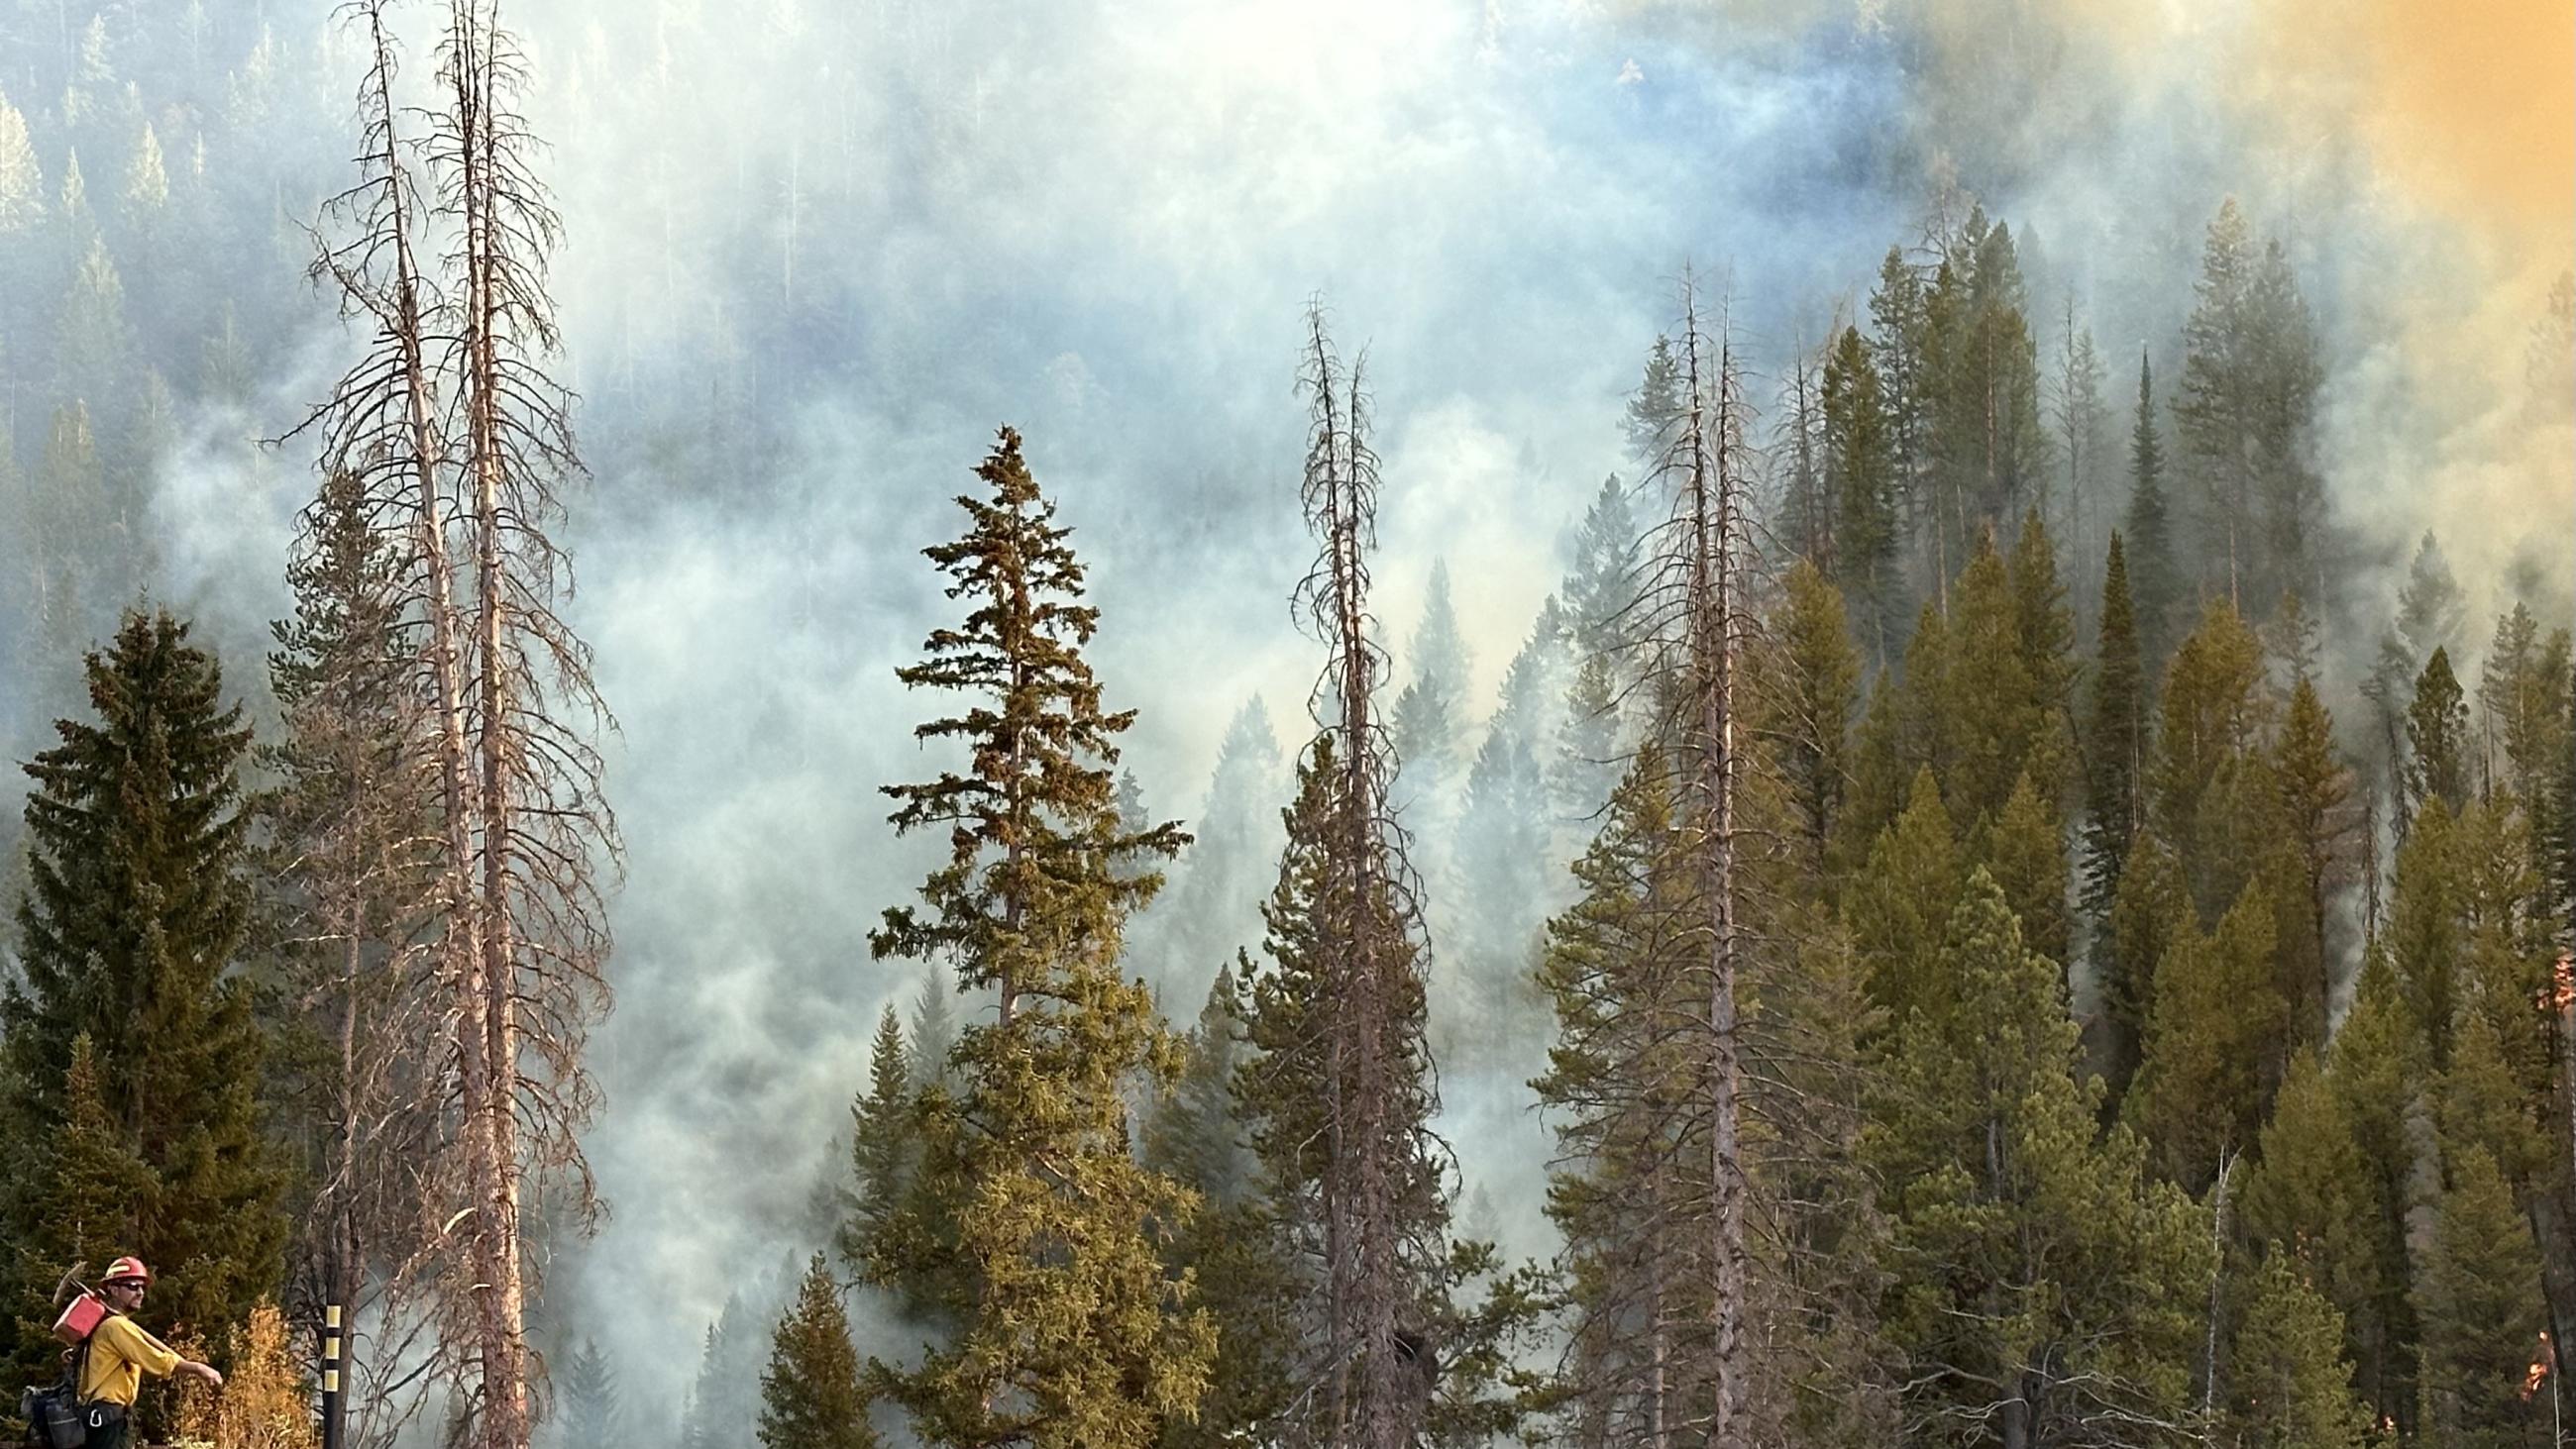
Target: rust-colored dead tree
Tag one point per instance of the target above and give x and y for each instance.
(464, 442)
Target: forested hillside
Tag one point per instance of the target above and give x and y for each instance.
(1488, 727)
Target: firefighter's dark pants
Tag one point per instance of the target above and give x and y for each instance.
(107, 1424)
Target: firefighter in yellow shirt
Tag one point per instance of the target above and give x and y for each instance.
(119, 1353)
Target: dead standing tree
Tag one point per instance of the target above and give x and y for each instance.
(542, 828)
(462, 442)
(1699, 602)
(1378, 1099)
(383, 429)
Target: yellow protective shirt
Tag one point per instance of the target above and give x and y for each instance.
(120, 1354)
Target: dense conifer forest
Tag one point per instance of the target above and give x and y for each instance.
(1856, 827)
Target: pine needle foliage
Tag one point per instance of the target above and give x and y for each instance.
(1070, 1335)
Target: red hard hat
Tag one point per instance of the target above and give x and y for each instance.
(125, 1268)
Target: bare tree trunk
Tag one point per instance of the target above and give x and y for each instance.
(1342, 1270)
(502, 1419)
(384, 424)
(520, 825)
(1370, 1293)
(1712, 495)
(1367, 1280)
(2552, 1222)
(2217, 1284)
(343, 1270)
(1658, 1432)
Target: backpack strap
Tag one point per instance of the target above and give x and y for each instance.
(80, 1363)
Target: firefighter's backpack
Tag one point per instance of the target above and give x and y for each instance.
(56, 1418)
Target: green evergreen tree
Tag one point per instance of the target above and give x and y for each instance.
(727, 1394)
(2217, 400)
(2213, 1042)
(1191, 1134)
(1655, 405)
(810, 1394)
(1860, 478)
(2312, 792)
(2026, 851)
(1983, 371)
(78, 541)
(2044, 627)
(1899, 324)
(75, 192)
(1214, 903)
(2485, 1103)
(2149, 526)
(2517, 693)
(22, 177)
(2115, 744)
(2009, 1211)
(1988, 714)
(2479, 1294)
(2424, 940)
(2152, 902)
(1926, 731)
(1504, 863)
(1806, 714)
(934, 1029)
(87, 1195)
(1879, 777)
(885, 1161)
(1069, 1332)
(2289, 1386)
(2524, 694)
(2431, 609)
(1804, 522)
(349, 893)
(1283, 1088)
(2293, 644)
(1898, 908)
(1603, 583)
(2206, 791)
(147, 183)
(2076, 415)
(92, 340)
(130, 936)
(1593, 741)
(2437, 738)
(2310, 1197)
(1615, 1089)
(1230, 1247)
(2371, 1068)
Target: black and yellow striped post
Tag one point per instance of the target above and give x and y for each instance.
(331, 1408)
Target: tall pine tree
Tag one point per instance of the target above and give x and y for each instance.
(2149, 528)
(1069, 1332)
(2115, 743)
(1860, 478)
